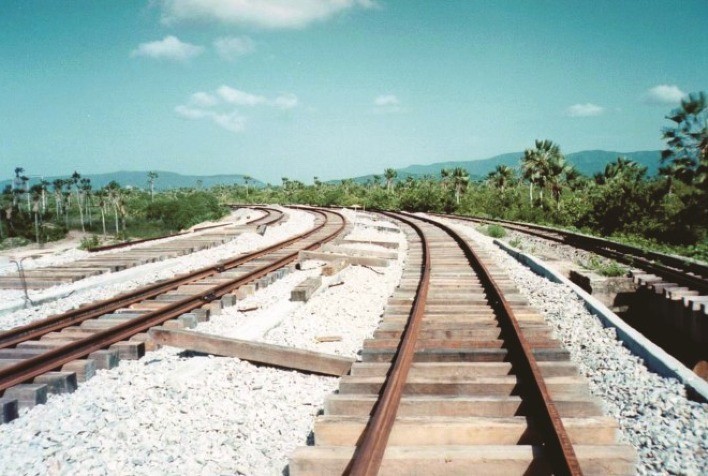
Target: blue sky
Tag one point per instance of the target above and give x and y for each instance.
(334, 88)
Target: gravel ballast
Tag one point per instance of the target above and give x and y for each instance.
(669, 431)
(172, 414)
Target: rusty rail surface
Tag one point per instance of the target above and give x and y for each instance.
(682, 271)
(369, 453)
(372, 445)
(52, 359)
(37, 329)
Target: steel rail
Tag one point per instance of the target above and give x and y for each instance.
(372, 445)
(57, 322)
(667, 266)
(55, 358)
(562, 455)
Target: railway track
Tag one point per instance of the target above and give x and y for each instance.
(671, 269)
(120, 259)
(55, 352)
(461, 377)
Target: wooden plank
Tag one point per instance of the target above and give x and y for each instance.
(303, 291)
(501, 460)
(441, 431)
(258, 352)
(354, 260)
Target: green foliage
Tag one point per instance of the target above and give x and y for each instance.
(13, 242)
(184, 210)
(604, 267)
(495, 231)
(91, 241)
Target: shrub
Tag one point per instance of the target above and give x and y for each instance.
(495, 231)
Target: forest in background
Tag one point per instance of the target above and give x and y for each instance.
(668, 211)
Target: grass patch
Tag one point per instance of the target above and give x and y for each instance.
(495, 231)
(610, 269)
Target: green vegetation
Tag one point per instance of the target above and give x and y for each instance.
(604, 267)
(40, 214)
(495, 231)
(667, 212)
(91, 241)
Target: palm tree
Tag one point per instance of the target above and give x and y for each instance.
(687, 142)
(17, 184)
(152, 175)
(246, 180)
(536, 164)
(75, 178)
(460, 179)
(390, 174)
(444, 178)
(58, 184)
(86, 193)
(377, 180)
(114, 193)
(501, 177)
(102, 196)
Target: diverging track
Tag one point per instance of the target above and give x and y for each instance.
(461, 377)
(52, 354)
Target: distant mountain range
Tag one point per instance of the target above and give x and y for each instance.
(587, 162)
(164, 180)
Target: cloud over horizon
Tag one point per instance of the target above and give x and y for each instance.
(221, 106)
(584, 110)
(664, 94)
(169, 48)
(267, 14)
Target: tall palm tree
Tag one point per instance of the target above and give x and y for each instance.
(536, 164)
(687, 141)
(86, 188)
(390, 175)
(460, 180)
(75, 179)
(502, 177)
(445, 178)
(58, 185)
(151, 176)
(246, 180)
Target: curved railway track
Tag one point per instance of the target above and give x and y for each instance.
(682, 271)
(461, 377)
(53, 343)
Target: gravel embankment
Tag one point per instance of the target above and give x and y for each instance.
(170, 414)
(669, 431)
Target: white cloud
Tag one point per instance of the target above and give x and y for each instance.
(232, 121)
(169, 48)
(258, 13)
(584, 110)
(238, 97)
(217, 106)
(286, 101)
(202, 99)
(386, 100)
(191, 112)
(387, 104)
(231, 47)
(664, 94)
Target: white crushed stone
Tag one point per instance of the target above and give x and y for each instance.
(141, 275)
(669, 431)
(171, 414)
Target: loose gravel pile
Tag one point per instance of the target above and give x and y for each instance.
(111, 284)
(669, 431)
(172, 414)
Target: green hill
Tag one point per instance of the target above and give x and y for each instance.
(587, 162)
